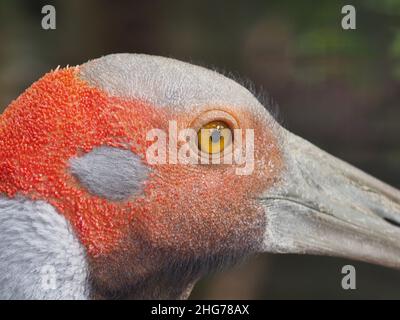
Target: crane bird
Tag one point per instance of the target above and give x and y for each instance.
(81, 204)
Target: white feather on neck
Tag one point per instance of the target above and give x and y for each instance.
(40, 256)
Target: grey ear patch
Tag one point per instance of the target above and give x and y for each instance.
(111, 173)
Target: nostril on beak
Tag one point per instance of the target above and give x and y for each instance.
(392, 222)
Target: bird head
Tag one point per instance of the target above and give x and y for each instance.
(102, 144)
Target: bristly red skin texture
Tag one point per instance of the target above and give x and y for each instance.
(190, 208)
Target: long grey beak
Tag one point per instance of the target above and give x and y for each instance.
(326, 206)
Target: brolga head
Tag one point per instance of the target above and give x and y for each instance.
(162, 171)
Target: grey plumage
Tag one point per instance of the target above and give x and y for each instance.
(165, 82)
(40, 256)
(112, 173)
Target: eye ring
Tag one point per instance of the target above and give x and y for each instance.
(210, 121)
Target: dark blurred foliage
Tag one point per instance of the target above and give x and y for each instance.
(339, 89)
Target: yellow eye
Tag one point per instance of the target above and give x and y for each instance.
(214, 137)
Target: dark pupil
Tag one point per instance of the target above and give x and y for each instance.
(215, 136)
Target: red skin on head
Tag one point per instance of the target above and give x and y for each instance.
(189, 208)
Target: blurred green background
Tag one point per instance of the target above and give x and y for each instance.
(339, 89)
